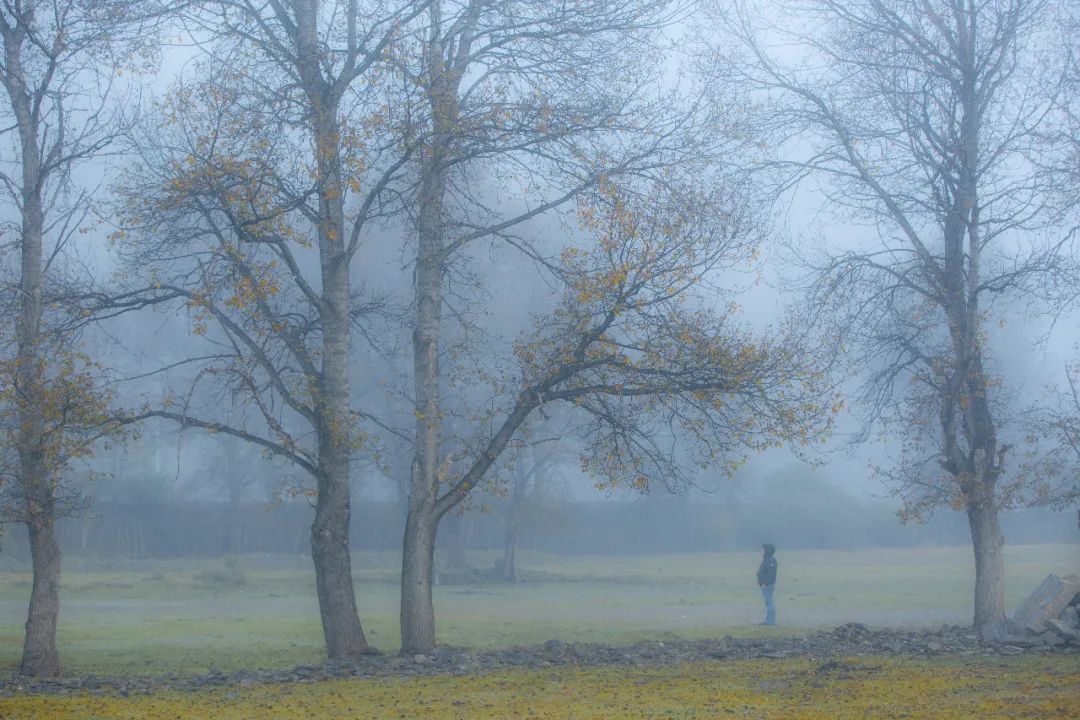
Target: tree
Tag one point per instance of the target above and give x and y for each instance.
(546, 98)
(653, 373)
(1052, 459)
(61, 110)
(528, 494)
(252, 201)
(920, 120)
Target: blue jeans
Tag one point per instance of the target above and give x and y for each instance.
(770, 608)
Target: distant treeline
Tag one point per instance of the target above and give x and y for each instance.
(650, 525)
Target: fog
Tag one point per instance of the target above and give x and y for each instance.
(405, 306)
(493, 293)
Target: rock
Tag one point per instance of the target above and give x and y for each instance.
(992, 632)
(1050, 638)
(852, 631)
(1062, 630)
(847, 641)
(1029, 640)
(1048, 601)
(1071, 616)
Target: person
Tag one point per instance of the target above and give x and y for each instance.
(766, 580)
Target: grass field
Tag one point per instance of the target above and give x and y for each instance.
(165, 617)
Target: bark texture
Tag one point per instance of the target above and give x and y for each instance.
(40, 657)
(989, 547)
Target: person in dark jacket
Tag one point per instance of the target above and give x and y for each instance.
(766, 580)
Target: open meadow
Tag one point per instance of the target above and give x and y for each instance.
(161, 618)
(158, 617)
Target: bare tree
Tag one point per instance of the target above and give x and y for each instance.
(61, 109)
(545, 97)
(651, 373)
(253, 200)
(919, 119)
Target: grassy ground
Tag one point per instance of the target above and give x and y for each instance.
(184, 616)
(1033, 687)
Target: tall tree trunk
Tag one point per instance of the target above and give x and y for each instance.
(422, 521)
(39, 649)
(989, 546)
(330, 530)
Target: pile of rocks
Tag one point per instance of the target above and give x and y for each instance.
(850, 640)
(1050, 616)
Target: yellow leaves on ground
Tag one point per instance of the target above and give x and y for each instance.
(1034, 687)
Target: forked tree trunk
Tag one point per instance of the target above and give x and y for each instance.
(40, 657)
(989, 546)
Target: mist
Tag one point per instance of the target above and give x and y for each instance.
(432, 337)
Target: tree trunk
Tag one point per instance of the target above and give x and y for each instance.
(333, 567)
(40, 657)
(989, 547)
(417, 565)
(422, 520)
(330, 531)
(39, 649)
(508, 569)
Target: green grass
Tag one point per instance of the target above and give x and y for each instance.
(162, 617)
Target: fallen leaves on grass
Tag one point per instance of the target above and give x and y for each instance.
(1031, 687)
